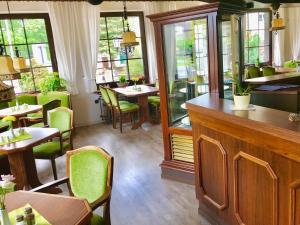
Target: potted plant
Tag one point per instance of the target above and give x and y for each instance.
(6, 186)
(241, 94)
(52, 82)
(122, 81)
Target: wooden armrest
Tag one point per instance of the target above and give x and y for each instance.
(43, 188)
(104, 198)
(66, 131)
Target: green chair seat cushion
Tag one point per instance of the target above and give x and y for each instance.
(128, 107)
(54, 95)
(290, 64)
(35, 115)
(155, 100)
(97, 220)
(123, 102)
(49, 149)
(38, 125)
(88, 175)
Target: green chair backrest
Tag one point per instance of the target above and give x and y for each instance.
(113, 97)
(104, 95)
(199, 79)
(268, 71)
(24, 99)
(252, 72)
(157, 83)
(60, 118)
(88, 172)
(290, 64)
(64, 97)
(49, 106)
(4, 105)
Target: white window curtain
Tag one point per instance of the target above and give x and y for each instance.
(293, 18)
(76, 32)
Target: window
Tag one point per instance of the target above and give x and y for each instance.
(112, 61)
(32, 35)
(258, 39)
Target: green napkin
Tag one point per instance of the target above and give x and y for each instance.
(39, 219)
(22, 137)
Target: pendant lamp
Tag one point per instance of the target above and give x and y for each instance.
(95, 2)
(277, 22)
(128, 37)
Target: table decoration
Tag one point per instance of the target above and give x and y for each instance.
(10, 119)
(19, 135)
(39, 219)
(6, 186)
(135, 79)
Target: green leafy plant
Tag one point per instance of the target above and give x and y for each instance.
(240, 90)
(6, 186)
(122, 78)
(52, 82)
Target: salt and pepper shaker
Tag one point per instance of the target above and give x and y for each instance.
(29, 216)
(20, 220)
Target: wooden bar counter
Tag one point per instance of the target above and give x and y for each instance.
(247, 163)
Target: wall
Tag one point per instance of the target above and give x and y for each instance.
(85, 110)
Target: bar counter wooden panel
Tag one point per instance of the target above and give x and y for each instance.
(247, 164)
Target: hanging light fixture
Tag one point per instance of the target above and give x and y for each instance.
(277, 22)
(129, 37)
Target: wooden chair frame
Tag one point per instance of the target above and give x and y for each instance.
(104, 200)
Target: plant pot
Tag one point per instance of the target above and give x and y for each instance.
(4, 219)
(242, 102)
(122, 84)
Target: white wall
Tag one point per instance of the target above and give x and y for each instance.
(85, 110)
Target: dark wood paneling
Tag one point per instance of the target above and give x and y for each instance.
(295, 203)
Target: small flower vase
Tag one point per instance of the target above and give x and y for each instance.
(4, 219)
(135, 87)
(12, 133)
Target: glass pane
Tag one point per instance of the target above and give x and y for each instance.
(264, 20)
(246, 55)
(134, 25)
(115, 51)
(40, 55)
(253, 21)
(103, 51)
(264, 54)
(115, 27)
(137, 50)
(253, 39)
(35, 30)
(13, 32)
(253, 55)
(40, 74)
(103, 34)
(26, 82)
(264, 37)
(119, 68)
(136, 67)
(185, 52)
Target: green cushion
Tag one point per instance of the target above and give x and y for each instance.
(54, 95)
(123, 102)
(88, 174)
(252, 72)
(154, 100)
(49, 149)
(97, 220)
(268, 71)
(4, 105)
(290, 64)
(35, 115)
(24, 99)
(37, 125)
(128, 107)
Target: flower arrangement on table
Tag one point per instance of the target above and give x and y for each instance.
(135, 79)
(142, 78)
(10, 120)
(6, 186)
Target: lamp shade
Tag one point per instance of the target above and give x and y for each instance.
(277, 24)
(7, 70)
(7, 92)
(20, 64)
(129, 39)
(95, 2)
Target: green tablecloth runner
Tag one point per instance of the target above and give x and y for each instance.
(39, 219)
(23, 137)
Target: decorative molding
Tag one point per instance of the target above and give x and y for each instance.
(224, 204)
(293, 201)
(273, 176)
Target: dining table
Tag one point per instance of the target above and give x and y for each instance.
(20, 156)
(141, 92)
(20, 111)
(55, 209)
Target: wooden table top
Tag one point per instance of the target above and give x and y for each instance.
(39, 135)
(273, 79)
(285, 70)
(21, 112)
(56, 209)
(130, 92)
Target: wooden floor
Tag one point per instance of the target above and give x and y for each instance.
(140, 196)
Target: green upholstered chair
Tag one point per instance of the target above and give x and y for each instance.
(89, 176)
(121, 109)
(29, 99)
(64, 97)
(268, 71)
(40, 119)
(290, 64)
(154, 101)
(62, 119)
(252, 72)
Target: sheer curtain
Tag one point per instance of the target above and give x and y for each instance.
(76, 32)
(293, 18)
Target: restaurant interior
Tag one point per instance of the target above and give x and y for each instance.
(149, 112)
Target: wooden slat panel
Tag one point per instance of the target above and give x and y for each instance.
(182, 148)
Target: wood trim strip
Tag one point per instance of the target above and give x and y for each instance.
(293, 188)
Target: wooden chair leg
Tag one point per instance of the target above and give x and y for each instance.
(113, 115)
(53, 164)
(121, 122)
(106, 213)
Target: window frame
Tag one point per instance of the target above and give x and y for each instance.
(263, 10)
(46, 18)
(139, 14)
